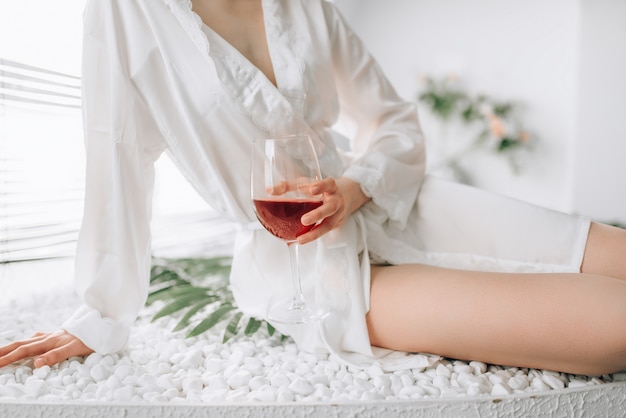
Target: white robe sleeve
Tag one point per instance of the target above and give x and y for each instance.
(122, 143)
(389, 160)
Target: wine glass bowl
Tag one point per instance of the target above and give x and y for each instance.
(283, 169)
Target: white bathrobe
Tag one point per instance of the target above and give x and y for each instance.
(155, 79)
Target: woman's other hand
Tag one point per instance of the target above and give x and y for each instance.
(46, 348)
(341, 198)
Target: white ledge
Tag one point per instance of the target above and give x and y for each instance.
(604, 400)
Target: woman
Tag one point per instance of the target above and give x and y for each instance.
(406, 262)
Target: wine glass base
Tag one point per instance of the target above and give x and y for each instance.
(288, 313)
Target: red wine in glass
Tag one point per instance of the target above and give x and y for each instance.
(281, 171)
(281, 217)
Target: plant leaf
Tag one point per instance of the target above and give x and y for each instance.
(270, 329)
(252, 327)
(167, 291)
(162, 274)
(215, 317)
(181, 303)
(184, 321)
(232, 327)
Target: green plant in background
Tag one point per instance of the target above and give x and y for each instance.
(200, 287)
(496, 122)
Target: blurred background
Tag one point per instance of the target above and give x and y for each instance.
(524, 98)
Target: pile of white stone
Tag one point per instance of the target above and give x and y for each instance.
(161, 366)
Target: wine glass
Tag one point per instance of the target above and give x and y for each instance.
(282, 170)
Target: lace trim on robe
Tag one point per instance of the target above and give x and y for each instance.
(190, 21)
(254, 94)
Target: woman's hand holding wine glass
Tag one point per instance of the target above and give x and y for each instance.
(341, 197)
(294, 203)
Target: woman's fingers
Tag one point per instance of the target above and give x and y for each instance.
(22, 350)
(17, 344)
(51, 348)
(73, 348)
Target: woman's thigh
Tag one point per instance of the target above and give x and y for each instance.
(567, 322)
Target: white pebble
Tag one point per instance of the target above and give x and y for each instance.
(257, 382)
(35, 387)
(474, 390)
(284, 395)
(41, 372)
(67, 380)
(113, 382)
(213, 365)
(278, 380)
(301, 387)
(192, 384)
(322, 392)
(192, 360)
(443, 371)
(496, 379)
(165, 382)
(108, 360)
(99, 373)
(123, 371)
(478, 366)
(371, 395)
(319, 379)
(216, 383)
(348, 379)
(442, 382)
(123, 394)
(266, 394)
(407, 380)
(553, 381)
(575, 383)
(463, 368)
(430, 389)
(465, 380)
(214, 395)
(539, 385)
(238, 395)
(382, 381)
(411, 391)
(518, 383)
(375, 371)
(500, 389)
(252, 361)
(147, 380)
(92, 359)
(239, 379)
(171, 393)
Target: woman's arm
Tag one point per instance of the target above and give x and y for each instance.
(388, 161)
(388, 147)
(114, 247)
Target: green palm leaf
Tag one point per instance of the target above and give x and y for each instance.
(233, 327)
(181, 303)
(185, 320)
(211, 320)
(194, 284)
(252, 327)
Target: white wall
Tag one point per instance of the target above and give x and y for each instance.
(599, 169)
(526, 51)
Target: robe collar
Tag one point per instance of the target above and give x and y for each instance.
(274, 109)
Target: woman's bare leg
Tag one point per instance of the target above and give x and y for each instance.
(574, 323)
(605, 252)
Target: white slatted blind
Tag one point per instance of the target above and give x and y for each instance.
(42, 176)
(41, 162)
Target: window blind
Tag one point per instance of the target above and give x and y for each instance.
(41, 162)
(42, 176)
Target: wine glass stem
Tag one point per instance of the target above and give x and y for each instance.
(298, 298)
